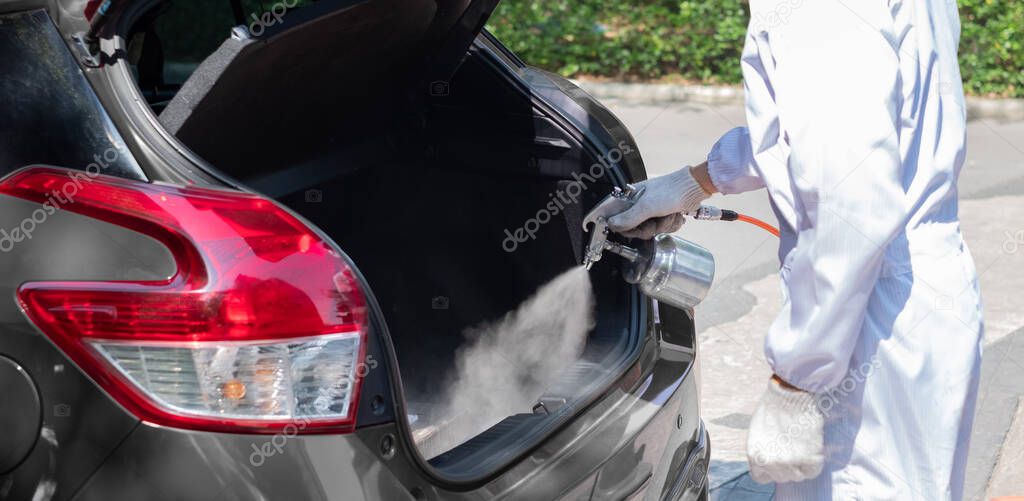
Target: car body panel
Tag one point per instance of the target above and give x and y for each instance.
(80, 424)
(622, 446)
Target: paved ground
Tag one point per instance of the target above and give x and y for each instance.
(746, 296)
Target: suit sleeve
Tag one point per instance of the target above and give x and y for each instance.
(731, 163)
(835, 82)
(745, 158)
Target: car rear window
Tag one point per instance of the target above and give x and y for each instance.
(190, 30)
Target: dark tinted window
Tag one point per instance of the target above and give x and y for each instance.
(166, 45)
(190, 30)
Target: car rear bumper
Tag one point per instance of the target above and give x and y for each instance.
(642, 440)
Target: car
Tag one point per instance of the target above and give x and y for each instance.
(245, 248)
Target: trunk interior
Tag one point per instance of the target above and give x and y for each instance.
(422, 190)
(427, 234)
(422, 205)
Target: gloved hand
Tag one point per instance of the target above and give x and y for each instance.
(661, 207)
(786, 438)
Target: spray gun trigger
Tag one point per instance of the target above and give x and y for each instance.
(618, 201)
(596, 221)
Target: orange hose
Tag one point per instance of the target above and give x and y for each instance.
(757, 222)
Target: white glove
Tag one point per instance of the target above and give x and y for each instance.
(661, 207)
(786, 438)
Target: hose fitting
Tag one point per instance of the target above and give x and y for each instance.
(712, 213)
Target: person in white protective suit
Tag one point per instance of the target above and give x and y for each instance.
(856, 127)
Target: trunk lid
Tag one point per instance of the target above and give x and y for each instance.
(369, 52)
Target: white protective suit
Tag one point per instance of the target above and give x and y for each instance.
(857, 128)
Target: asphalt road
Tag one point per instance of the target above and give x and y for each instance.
(746, 295)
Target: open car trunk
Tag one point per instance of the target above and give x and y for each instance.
(428, 233)
(458, 199)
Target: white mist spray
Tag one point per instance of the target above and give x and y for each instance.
(505, 366)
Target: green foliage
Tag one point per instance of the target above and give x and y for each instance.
(702, 40)
(991, 46)
(642, 38)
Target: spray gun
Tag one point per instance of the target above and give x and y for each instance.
(668, 268)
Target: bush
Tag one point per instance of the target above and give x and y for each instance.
(645, 39)
(701, 40)
(991, 49)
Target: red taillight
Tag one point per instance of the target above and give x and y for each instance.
(263, 324)
(90, 8)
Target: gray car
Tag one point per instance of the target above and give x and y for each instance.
(245, 246)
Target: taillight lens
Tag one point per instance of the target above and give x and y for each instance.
(91, 7)
(262, 325)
